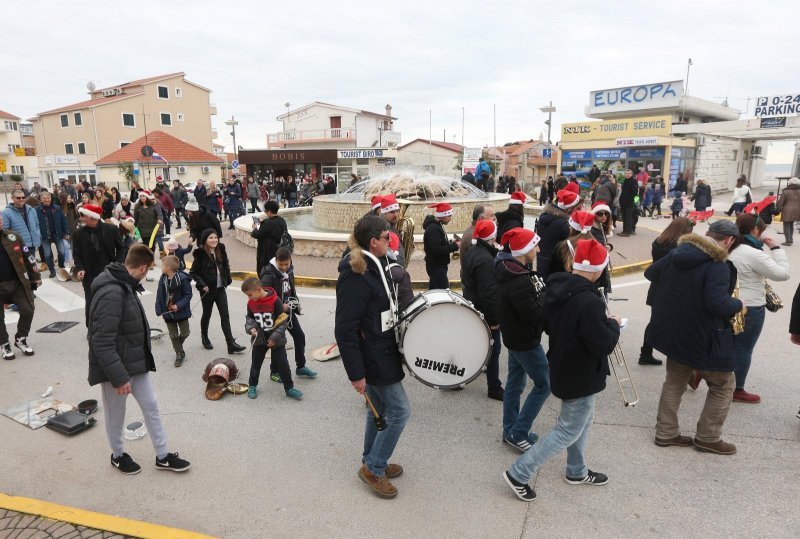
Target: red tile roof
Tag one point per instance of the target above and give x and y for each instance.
(452, 146)
(8, 116)
(175, 151)
(88, 103)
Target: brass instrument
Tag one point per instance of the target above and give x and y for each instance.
(405, 228)
(620, 369)
(457, 253)
(737, 320)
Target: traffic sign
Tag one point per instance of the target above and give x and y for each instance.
(147, 151)
(547, 153)
(235, 163)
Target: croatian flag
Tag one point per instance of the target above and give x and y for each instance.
(157, 157)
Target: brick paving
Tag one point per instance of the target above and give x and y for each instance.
(14, 525)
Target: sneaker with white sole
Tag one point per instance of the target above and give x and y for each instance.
(22, 344)
(523, 491)
(520, 445)
(592, 478)
(173, 463)
(7, 352)
(125, 464)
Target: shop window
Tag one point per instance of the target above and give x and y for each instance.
(65, 120)
(128, 119)
(68, 148)
(81, 148)
(163, 92)
(78, 119)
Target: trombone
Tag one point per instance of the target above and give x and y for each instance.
(619, 366)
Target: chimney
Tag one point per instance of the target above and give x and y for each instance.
(389, 114)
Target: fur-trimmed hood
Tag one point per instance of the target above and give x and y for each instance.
(355, 258)
(694, 249)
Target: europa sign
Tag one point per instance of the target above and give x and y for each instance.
(643, 96)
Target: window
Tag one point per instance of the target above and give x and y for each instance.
(78, 119)
(166, 118)
(163, 92)
(178, 92)
(11, 126)
(81, 147)
(17, 169)
(180, 116)
(68, 148)
(12, 147)
(65, 120)
(128, 119)
(123, 144)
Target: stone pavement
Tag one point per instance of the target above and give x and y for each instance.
(15, 525)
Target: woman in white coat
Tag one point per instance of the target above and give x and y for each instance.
(753, 266)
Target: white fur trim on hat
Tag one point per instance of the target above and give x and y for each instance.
(446, 213)
(390, 208)
(527, 248)
(89, 213)
(597, 208)
(587, 266)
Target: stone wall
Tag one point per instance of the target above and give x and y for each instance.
(716, 163)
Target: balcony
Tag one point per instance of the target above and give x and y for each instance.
(311, 135)
(26, 129)
(212, 107)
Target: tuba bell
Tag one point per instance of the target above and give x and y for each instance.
(67, 274)
(405, 228)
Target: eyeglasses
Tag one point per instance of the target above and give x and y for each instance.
(384, 237)
(19, 198)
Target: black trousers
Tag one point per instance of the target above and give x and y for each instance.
(178, 213)
(218, 296)
(629, 219)
(279, 363)
(299, 338)
(13, 291)
(437, 277)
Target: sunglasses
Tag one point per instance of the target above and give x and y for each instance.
(384, 237)
(19, 198)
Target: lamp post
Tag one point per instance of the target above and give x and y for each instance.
(233, 123)
(685, 88)
(549, 109)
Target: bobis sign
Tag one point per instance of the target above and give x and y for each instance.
(638, 97)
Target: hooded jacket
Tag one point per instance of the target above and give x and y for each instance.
(119, 334)
(204, 221)
(179, 287)
(552, 227)
(581, 336)
(506, 220)
(702, 196)
(479, 281)
(789, 202)
(282, 283)
(692, 304)
(437, 247)
(520, 315)
(367, 351)
(205, 268)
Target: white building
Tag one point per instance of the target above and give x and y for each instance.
(17, 151)
(440, 158)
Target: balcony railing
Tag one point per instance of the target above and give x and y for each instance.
(308, 135)
(26, 129)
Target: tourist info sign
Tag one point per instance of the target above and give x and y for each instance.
(778, 105)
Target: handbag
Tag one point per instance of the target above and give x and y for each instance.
(774, 303)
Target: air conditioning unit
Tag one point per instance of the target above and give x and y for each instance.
(757, 150)
(701, 141)
(183, 170)
(206, 169)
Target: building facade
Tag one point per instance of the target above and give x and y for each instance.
(17, 151)
(72, 138)
(439, 158)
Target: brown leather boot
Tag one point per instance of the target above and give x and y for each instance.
(379, 485)
(720, 447)
(393, 470)
(680, 441)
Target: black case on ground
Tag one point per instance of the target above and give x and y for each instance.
(70, 423)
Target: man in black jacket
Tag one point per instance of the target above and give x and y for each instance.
(581, 338)
(627, 194)
(437, 247)
(520, 300)
(514, 216)
(120, 358)
(553, 226)
(369, 351)
(200, 193)
(95, 245)
(480, 287)
(692, 304)
(268, 234)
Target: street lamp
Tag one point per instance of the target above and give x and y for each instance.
(549, 109)
(233, 123)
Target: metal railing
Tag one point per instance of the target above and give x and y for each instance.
(311, 134)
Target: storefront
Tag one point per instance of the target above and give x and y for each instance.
(270, 164)
(362, 162)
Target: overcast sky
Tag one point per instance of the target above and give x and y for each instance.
(434, 56)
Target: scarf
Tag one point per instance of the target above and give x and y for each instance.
(753, 242)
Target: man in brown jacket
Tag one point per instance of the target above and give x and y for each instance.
(789, 206)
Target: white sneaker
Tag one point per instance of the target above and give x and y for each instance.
(7, 352)
(22, 344)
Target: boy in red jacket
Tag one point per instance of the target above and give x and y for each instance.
(263, 309)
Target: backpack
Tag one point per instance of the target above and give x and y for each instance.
(286, 240)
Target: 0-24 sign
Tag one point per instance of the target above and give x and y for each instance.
(778, 105)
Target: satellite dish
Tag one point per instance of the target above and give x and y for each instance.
(90, 86)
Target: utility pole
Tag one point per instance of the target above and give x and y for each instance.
(462, 128)
(494, 136)
(430, 139)
(549, 109)
(685, 89)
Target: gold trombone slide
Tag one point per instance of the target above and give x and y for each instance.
(620, 369)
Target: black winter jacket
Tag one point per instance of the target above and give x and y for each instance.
(794, 321)
(437, 247)
(702, 197)
(200, 194)
(367, 351)
(628, 191)
(479, 281)
(506, 220)
(95, 248)
(552, 227)
(204, 220)
(519, 311)
(272, 277)
(692, 304)
(581, 336)
(204, 269)
(268, 235)
(119, 334)
(658, 251)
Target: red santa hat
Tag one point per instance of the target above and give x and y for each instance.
(147, 193)
(394, 245)
(518, 197)
(599, 206)
(756, 208)
(573, 187)
(581, 221)
(443, 209)
(566, 199)
(519, 241)
(389, 204)
(91, 211)
(485, 230)
(590, 256)
(376, 202)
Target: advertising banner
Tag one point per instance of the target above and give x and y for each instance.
(650, 126)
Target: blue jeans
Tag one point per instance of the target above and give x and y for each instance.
(392, 403)
(493, 367)
(745, 342)
(532, 363)
(570, 433)
(47, 249)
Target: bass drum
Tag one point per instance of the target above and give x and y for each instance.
(445, 342)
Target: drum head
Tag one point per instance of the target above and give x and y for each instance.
(446, 345)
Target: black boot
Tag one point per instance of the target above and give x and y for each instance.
(235, 348)
(646, 358)
(206, 343)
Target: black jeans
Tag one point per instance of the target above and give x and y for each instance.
(278, 363)
(178, 213)
(14, 292)
(628, 219)
(218, 296)
(254, 204)
(437, 277)
(299, 339)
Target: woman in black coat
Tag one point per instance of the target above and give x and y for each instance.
(211, 271)
(200, 220)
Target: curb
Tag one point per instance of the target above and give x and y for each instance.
(97, 521)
